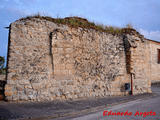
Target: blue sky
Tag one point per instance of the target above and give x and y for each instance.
(144, 15)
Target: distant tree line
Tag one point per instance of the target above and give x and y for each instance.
(2, 67)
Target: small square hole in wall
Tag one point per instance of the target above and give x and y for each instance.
(158, 56)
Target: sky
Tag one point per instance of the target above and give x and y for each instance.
(143, 15)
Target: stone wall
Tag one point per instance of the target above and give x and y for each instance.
(155, 66)
(49, 61)
(2, 77)
(139, 63)
(2, 83)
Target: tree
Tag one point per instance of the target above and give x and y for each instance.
(2, 69)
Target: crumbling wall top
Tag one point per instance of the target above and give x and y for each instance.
(84, 23)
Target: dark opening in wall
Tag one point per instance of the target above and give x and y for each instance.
(158, 56)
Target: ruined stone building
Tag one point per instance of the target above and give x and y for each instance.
(48, 60)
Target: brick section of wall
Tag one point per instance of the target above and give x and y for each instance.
(139, 64)
(49, 62)
(155, 66)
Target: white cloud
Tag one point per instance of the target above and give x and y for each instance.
(153, 35)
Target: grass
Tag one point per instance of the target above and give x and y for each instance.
(84, 23)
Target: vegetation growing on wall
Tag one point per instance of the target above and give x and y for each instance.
(84, 23)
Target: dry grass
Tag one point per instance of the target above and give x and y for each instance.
(84, 23)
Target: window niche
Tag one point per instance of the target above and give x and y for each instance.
(158, 56)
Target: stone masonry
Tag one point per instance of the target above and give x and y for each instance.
(2, 84)
(49, 61)
(155, 66)
(139, 63)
